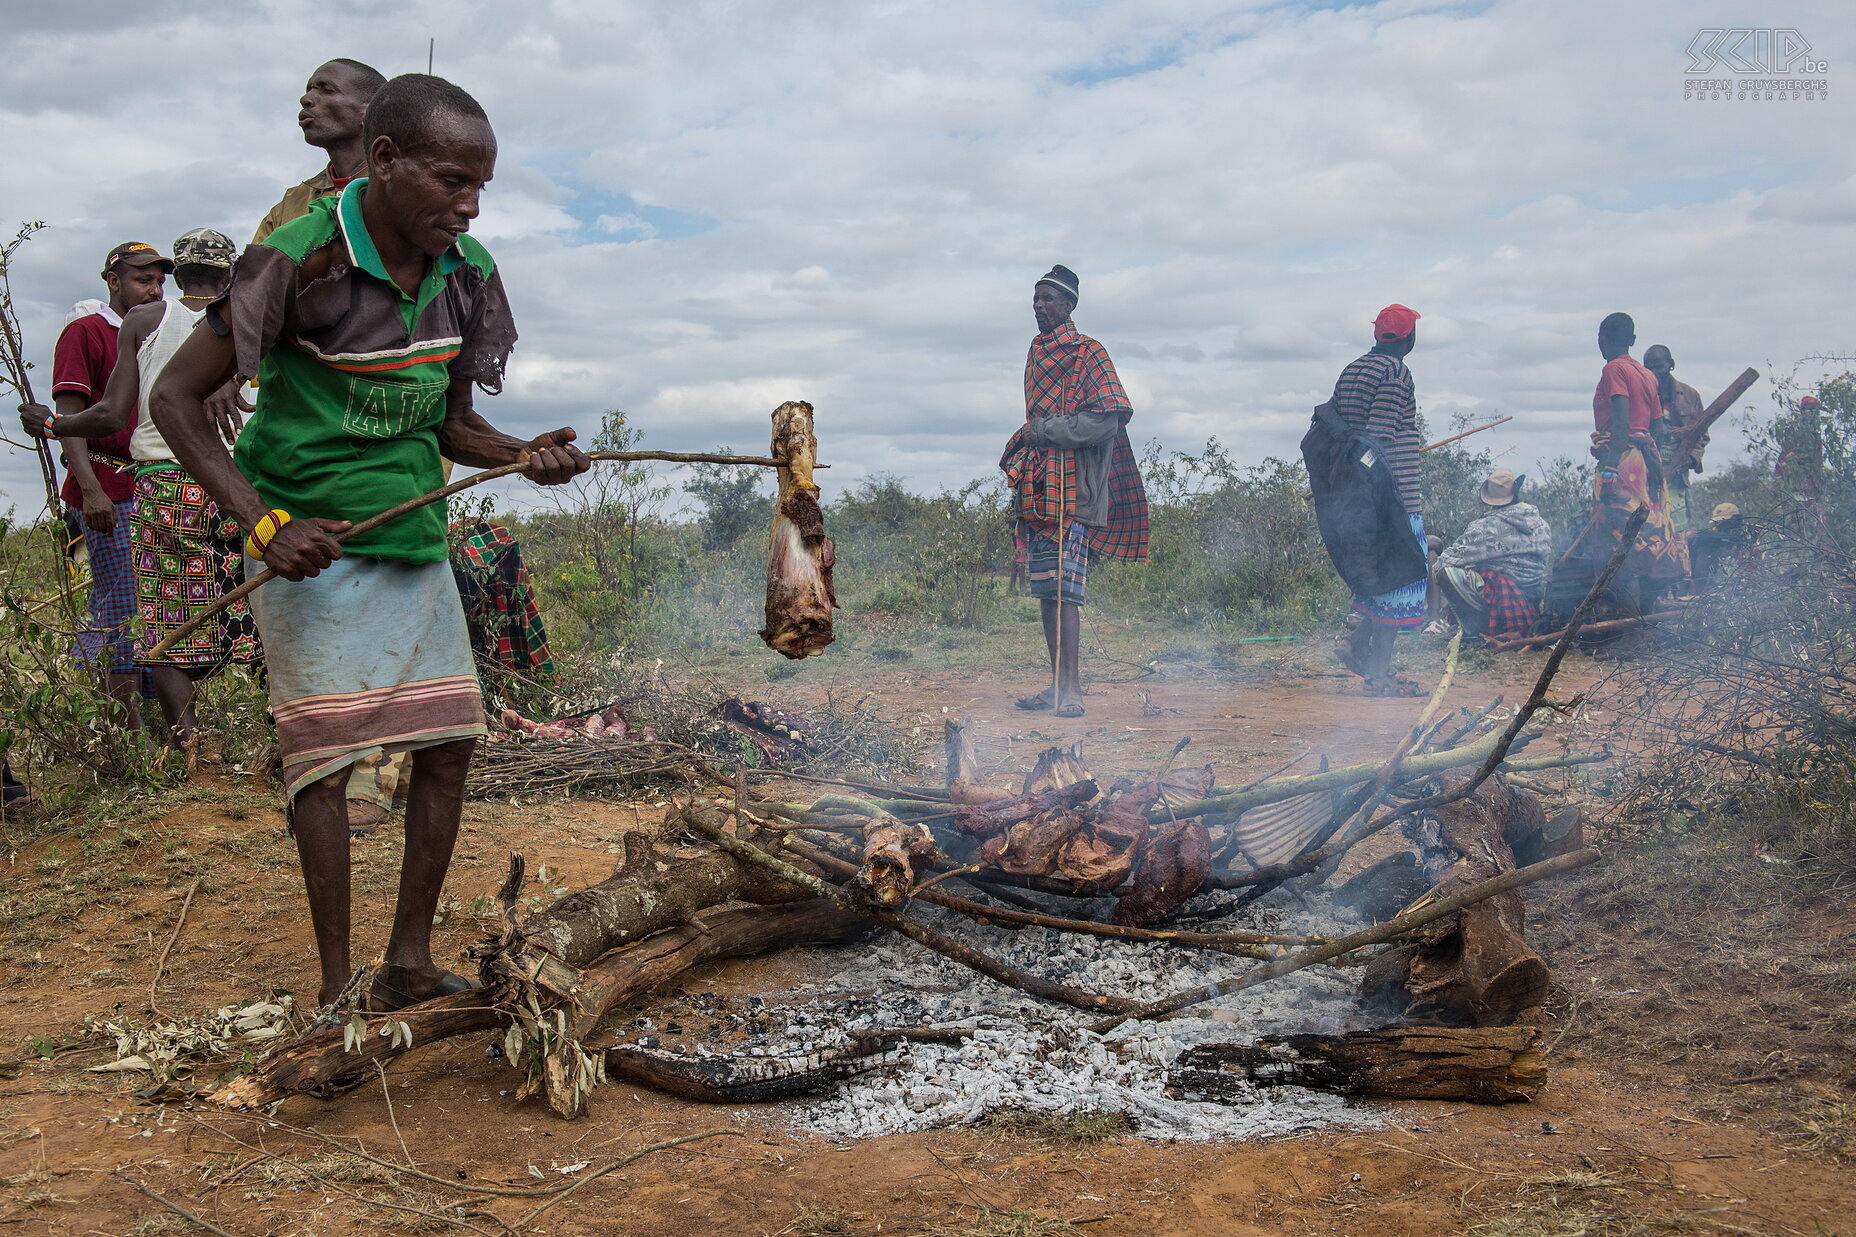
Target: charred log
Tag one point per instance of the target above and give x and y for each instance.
(762, 1080)
(1484, 1065)
(1474, 968)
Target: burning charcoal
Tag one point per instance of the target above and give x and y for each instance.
(1174, 866)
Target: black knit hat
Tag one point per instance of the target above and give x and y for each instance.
(1064, 280)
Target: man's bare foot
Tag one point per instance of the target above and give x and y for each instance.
(1043, 700)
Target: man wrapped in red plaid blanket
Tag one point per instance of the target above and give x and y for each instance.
(1076, 489)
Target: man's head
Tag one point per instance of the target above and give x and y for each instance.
(202, 261)
(1503, 488)
(430, 151)
(134, 272)
(335, 101)
(1615, 335)
(1054, 298)
(1660, 361)
(1395, 330)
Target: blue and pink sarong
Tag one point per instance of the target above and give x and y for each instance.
(1403, 607)
(370, 656)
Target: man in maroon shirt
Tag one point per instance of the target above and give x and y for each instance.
(100, 480)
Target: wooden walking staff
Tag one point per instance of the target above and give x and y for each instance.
(489, 474)
(1444, 442)
(15, 360)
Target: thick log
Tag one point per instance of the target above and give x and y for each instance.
(1474, 968)
(320, 1058)
(647, 893)
(1484, 1065)
(764, 1080)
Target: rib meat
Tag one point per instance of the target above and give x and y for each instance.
(800, 555)
(1177, 860)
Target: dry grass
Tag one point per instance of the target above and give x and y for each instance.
(1825, 1129)
(1059, 1127)
(985, 1222)
(822, 1219)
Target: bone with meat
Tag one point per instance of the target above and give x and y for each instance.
(800, 555)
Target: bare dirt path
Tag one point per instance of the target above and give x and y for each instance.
(1619, 1144)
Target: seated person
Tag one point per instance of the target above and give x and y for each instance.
(1726, 536)
(1490, 576)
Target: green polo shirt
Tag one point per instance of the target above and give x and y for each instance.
(353, 372)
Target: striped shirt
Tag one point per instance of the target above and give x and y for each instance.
(1374, 396)
(353, 372)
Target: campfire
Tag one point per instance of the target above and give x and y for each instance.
(1137, 908)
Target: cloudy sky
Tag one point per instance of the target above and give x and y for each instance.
(702, 208)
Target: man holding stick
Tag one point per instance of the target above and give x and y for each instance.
(367, 320)
(1075, 485)
(100, 480)
(185, 554)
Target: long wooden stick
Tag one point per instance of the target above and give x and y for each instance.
(1691, 434)
(16, 364)
(446, 491)
(1166, 1007)
(1617, 624)
(1444, 442)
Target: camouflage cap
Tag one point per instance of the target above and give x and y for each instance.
(204, 247)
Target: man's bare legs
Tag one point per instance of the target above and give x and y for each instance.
(433, 811)
(126, 690)
(174, 689)
(320, 822)
(432, 816)
(1063, 636)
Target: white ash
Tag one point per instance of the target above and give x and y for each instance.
(1035, 1055)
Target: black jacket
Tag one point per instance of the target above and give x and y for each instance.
(1357, 507)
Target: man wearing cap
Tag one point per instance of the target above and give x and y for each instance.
(1076, 489)
(1726, 535)
(1491, 575)
(100, 480)
(1800, 466)
(1681, 408)
(1375, 397)
(184, 553)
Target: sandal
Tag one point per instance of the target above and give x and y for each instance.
(1069, 710)
(1037, 703)
(1392, 685)
(392, 988)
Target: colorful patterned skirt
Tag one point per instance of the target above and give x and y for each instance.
(369, 656)
(1403, 607)
(1054, 572)
(105, 642)
(187, 556)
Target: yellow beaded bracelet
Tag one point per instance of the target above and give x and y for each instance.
(261, 534)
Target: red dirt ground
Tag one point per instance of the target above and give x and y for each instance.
(1620, 1143)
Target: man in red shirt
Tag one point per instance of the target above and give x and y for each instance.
(100, 480)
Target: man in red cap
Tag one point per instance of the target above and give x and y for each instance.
(1800, 466)
(1375, 397)
(100, 480)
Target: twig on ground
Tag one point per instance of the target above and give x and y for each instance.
(175, 1207)
(162, 962)
(391, 1119)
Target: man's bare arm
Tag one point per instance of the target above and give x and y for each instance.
(466, 438)
(201, 366)
(112, 412)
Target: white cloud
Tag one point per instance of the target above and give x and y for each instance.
(705, 208)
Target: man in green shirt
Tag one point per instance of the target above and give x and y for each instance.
(367, 320)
